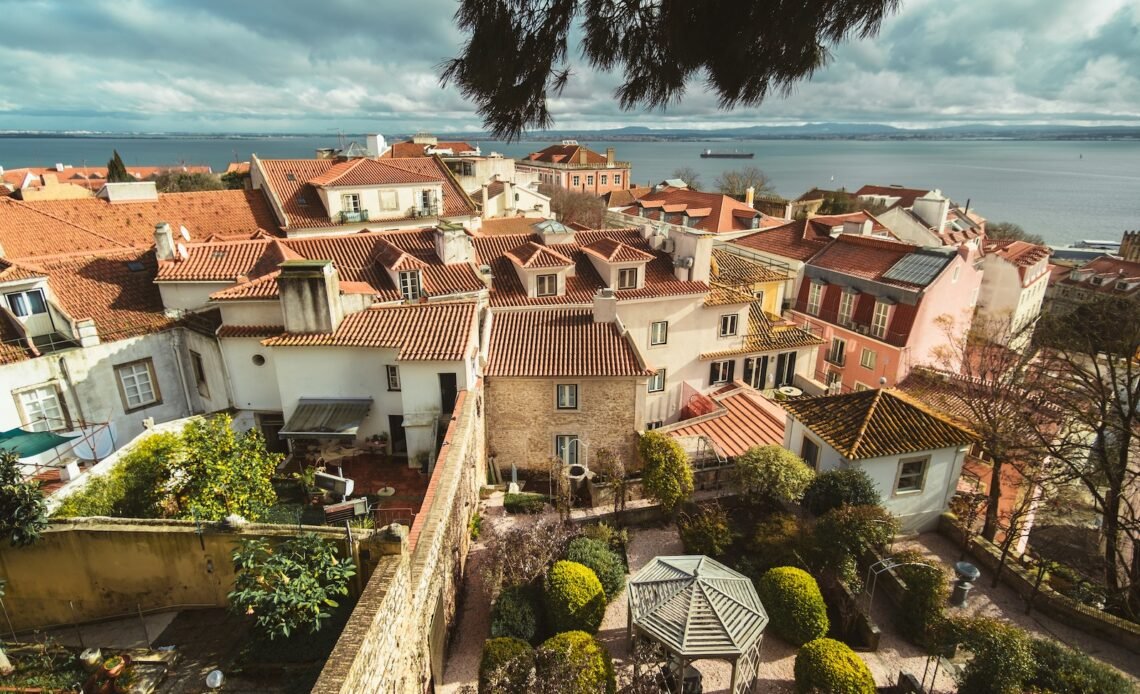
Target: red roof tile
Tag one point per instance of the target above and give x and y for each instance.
(534, 255)
(558, 342)
(615, 251)
(743, 419)
(793, 240)
(93, 177)
(408, 149)
(721, 213)
(507, 225)
(565, 154)
(864, 256)
(369, 172)
(419, 332)
(395, 258)
(250, 331)
(907, 195)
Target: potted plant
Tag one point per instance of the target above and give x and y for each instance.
(114, 666)
(308, 481)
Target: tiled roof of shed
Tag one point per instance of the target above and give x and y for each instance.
(735, 270)
(875, 423)
(559, 342)
(794, 240)
(743, 419)
(716, 212)
(419, 332)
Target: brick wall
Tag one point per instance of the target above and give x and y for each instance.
(526, 420)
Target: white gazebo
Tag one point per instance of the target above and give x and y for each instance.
(698, 609)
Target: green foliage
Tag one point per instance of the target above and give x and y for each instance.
(770, 474)
(1002, 657)
(476, 525)
(117, 170)
(289, 587)
(515, 614)
(606, 564)
(524, 503)
(234, 180)
(186, 182)
(922, 607)
(776, 541)
(666, 474)
(706, 531)
(222, 472)
(1062, 670)
(1008, 230)
(505, 666)
(795, 606)
(841, 534)
(23, 511)
(827, 665)
(575, 599)
(844, 485)
(134, 488)
(574, 663)
(614, 538)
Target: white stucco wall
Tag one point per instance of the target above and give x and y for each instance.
(407, 197)
(253, 387)
(251, 312)
(189, 295)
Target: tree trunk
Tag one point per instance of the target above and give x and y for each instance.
(990, 528)
(1036, 586)
(1111, 531)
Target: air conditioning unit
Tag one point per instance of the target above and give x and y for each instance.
(668, 244)
(656, 242)
(340, 486)
(863, 329)
(686, 262)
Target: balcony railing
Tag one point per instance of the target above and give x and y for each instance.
(347, 217)
(836, 358)
(425, 211)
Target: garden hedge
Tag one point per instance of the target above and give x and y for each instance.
(505, 666)
(576, 663)
(706, 531)
(515, 614)
(845, 485)
(1062, 670)
(827, 665)
(603, 561)
(574, 598)
(524, 503)
(794, 604)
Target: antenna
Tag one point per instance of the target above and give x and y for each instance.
(182, 252)
(185, 233)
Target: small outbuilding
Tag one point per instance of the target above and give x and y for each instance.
(699, 609)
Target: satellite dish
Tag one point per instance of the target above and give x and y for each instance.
(185, 233)
(182, 252)
(215, 679)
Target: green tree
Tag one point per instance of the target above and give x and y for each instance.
(736, 182)
(222, 472)
(706, 531)
(998, 231)
(575, 207)
(186, 182)
(771, 474)
(832, 489)
(234, 180)
(666, 474)
(517, 50)
(841, 535)
(135, 488)
(1002, 657)
(794, 604)
(117, 170)
(290, 587)
(23, 511)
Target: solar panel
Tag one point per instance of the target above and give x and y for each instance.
(918, 268)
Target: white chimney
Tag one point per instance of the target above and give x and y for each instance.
(376, 145)
(58, 166)
(932, 208)
(453, 245)
(163, 241)
(310, 296)
(750, 196)
(605, 306)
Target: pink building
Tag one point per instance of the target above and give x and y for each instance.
(575, 167)
(882, 307)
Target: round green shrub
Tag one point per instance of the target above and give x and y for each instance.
(827, 665)
(706, 531)
(524, 503)
(771, 474)
(1002, 657)
(845, 485)
(603, 561)
(574, 662)
(515, 614)
(1063, 670)
(505, 666)
(794, 604)
(575, 599)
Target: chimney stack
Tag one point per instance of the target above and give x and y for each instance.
(609, 156)
(582, 159)
(605, 306)
(453, 245)
(163, 241)
(750, 197)
(376, 145)
(310, 296)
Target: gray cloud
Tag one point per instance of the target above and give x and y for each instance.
(213, 65)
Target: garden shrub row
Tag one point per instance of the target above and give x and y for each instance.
(524, 503)
(572, 662)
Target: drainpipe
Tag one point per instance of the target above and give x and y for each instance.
(66, 374)
(176, 351)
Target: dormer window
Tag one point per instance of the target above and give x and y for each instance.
(27, 303)
(547, 285)
(350, 202)
(410, 284)
(627, 278)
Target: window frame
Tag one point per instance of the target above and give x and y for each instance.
(589, 179)
(863, 359)
(813, 461)
(392, 375)
(846, 307)
(724, 371)
(540, 279)
(657, 382)
(571, 450)
(408, 278)
(23, 296)
(575, 180)
(152, 378)
(899, 475)
(604, 180)
(623, 273)
(655, 424)
(814, 298)
(617, 179)
(44, 420)
(393, 195)
(836, 356)
(569, 388)
(198, 368)
(653, 341)
(350, 202)
(733, 321)
(880, 319)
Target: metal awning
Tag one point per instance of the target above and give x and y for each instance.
(29, 443)
(326, 418)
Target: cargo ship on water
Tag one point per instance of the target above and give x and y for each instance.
(737, 154)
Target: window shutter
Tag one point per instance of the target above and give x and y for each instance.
(712, 373)
(749, 364)
(731, 368)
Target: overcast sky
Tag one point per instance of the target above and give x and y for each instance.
(359, 65)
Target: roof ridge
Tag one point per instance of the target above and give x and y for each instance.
(866, 422)
(918, 404)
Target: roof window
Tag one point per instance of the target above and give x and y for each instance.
(135, 266)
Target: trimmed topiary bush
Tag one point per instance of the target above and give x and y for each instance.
(603, 561)
(706, 531)
(1002, 658)
(515, 614)
(1063, 670)
(845, 485)
(794, 604)
(574, 598)
(505, 666)
(827, 665)
(771, 474)
(574, 663)
(524, 503)
(666, 474)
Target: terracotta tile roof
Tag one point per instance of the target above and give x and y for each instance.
(716, 212)
(866, 257)
(565, 154)
(507, 225)
(395, 258)
(368, 172)
(1102, 275)
(258, 331)
(535, 255)
(822, 225)
(262, 288)
(584, 284)
(615, 251)
(724, 295)
(623, 198)
(419, 332)
(10, 271)
(742, 419)
(403, 150)
(1021, 254)
(13, 345)
(734, 270)
(92, 177)
(226, 262)
(766, 334)
(238, 167)
(53, 227)
(288, 180)
(874, 423)
(907, 195)
(793, 240)
(559, 342)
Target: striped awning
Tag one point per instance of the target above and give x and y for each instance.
(326, 418)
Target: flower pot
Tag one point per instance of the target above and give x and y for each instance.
(114, 666)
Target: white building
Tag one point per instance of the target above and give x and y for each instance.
(1015, 276)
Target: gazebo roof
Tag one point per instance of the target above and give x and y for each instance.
(696, 607)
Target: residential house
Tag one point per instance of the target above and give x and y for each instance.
(913, 453)
(675, 203)
(576, 167)
(925, 218)
(91, 178)
(562, 384)
(502, 198)
(883, 307)
(718, 427)
(311, 197)
(1102, 277)
(471, 168)
(1015, 275)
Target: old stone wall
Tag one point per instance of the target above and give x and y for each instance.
(525, 419)
(396, 639)
(97, 568)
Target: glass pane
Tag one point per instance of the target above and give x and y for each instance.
(36, 300)
(17, 304)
